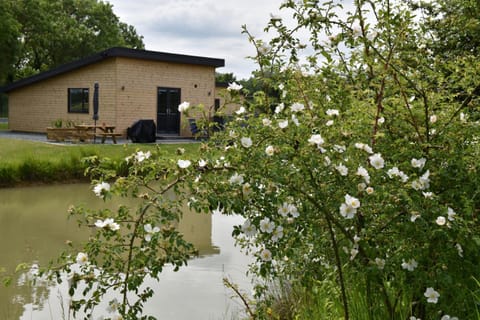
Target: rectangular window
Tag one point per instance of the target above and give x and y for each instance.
(78, 100)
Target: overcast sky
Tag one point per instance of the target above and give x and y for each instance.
(210, 28)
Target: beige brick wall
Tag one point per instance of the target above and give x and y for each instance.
(138, 81)
(128, 92)
(35, 107)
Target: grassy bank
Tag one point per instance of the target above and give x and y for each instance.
(27, 162)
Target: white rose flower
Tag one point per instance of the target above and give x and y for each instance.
(352, 201)
(414, 216)
(282, 124)
(266, 225)
(297, 107)
(270, 150)
(418, 163)
(246, 142)
(332, 112)
(410, 265)
(249, 229)
(246, 189)
(241, 110)
(141, 156)
(277, 233)
(234, 87)
(279, 108)
(82, 258)
(275, 17)
(361, 171)
(448, 317)
(183, 107)
(427, 195)
(111, 224)
(348, 212)
(451, 214)
(459, 248)
(266, 255)
(202, 163)
(441, 220)
(377, 161)
(284, 209)
(293, 210)
(342, 169)
(367, 149)
(236, 179)
(361, 186)
(339, 148)
(183, 164)
(380, 263)
(101, 188)
(327, 161)
(431, 295)
(316, 139)
(149, 231)
(295, 120)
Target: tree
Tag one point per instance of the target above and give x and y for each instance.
(9, 45)
(51, 33)
(225, 77)
(454, 25)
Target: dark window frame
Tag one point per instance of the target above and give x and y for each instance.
(84, 103)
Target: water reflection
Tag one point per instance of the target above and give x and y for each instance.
(34, 228)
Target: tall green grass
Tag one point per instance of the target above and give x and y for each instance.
(476, 299)
(322, 301)
(38, 162)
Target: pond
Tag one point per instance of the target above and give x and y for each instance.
(34, 228)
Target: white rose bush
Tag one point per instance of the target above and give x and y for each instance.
(356, 171)
(373, 189)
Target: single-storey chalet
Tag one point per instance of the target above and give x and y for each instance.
(133, 85)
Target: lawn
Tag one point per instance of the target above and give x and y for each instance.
(30, 161)
(16, 151)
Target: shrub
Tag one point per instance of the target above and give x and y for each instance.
(364, 166)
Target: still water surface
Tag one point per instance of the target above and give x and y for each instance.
(34, 228)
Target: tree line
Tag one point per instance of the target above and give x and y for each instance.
(37, 35)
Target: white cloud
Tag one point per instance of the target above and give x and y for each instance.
(208, 28)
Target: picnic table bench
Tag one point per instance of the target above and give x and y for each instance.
(104, 132)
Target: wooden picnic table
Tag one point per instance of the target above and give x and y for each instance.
(104, 132)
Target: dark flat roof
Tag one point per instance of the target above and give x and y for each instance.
(115, 52)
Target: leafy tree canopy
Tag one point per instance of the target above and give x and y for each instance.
(9, 35)
(36, 35)
(225, 77)
(454, 25)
